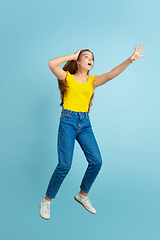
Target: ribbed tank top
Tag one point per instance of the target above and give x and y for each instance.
(77, 95)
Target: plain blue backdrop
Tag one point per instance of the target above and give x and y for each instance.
(125, 119)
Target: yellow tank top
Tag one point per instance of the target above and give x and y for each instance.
(77, 95)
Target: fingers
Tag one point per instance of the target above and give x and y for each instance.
(140, 47)
(136, 47)
(143, 55)
(138, 50)
(78, 51)
(142, 50)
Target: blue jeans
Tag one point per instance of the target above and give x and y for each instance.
(75, 125)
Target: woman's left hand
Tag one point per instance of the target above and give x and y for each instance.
(137, 53)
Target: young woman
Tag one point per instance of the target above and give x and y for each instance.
(77, 90)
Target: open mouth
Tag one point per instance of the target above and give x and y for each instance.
(89, 64)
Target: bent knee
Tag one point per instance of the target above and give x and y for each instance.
(64, 168)
(98, 163)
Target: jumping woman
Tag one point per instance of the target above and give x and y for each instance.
(77, 90)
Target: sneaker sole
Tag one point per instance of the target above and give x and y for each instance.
(44, 218)
(83, 206)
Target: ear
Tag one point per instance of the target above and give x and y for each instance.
(77, 61)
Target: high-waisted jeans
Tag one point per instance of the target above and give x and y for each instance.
(75, 125)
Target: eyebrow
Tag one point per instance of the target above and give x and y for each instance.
(86, 54)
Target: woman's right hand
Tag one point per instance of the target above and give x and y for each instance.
(77, 54)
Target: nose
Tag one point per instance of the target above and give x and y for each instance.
(90, 60)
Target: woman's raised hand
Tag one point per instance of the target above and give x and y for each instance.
(137, 53)
(77, 54)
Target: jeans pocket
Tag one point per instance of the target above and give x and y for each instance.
(87, 117)
(64, 115)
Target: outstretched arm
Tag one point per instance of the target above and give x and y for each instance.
(101, 79)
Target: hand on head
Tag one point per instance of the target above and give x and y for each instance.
(77, 54)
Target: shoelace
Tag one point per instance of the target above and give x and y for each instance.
(88, 202)
(48, 205)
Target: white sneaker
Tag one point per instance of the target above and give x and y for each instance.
(85, 203)
(45, 209)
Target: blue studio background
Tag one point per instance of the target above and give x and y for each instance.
(125, 119)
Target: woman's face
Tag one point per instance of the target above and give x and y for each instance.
(85, 61)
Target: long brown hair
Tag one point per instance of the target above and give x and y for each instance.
(71, 67)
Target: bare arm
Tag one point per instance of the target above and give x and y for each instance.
(100, 80)
(55, 62)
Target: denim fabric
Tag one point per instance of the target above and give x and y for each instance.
(75, 125)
